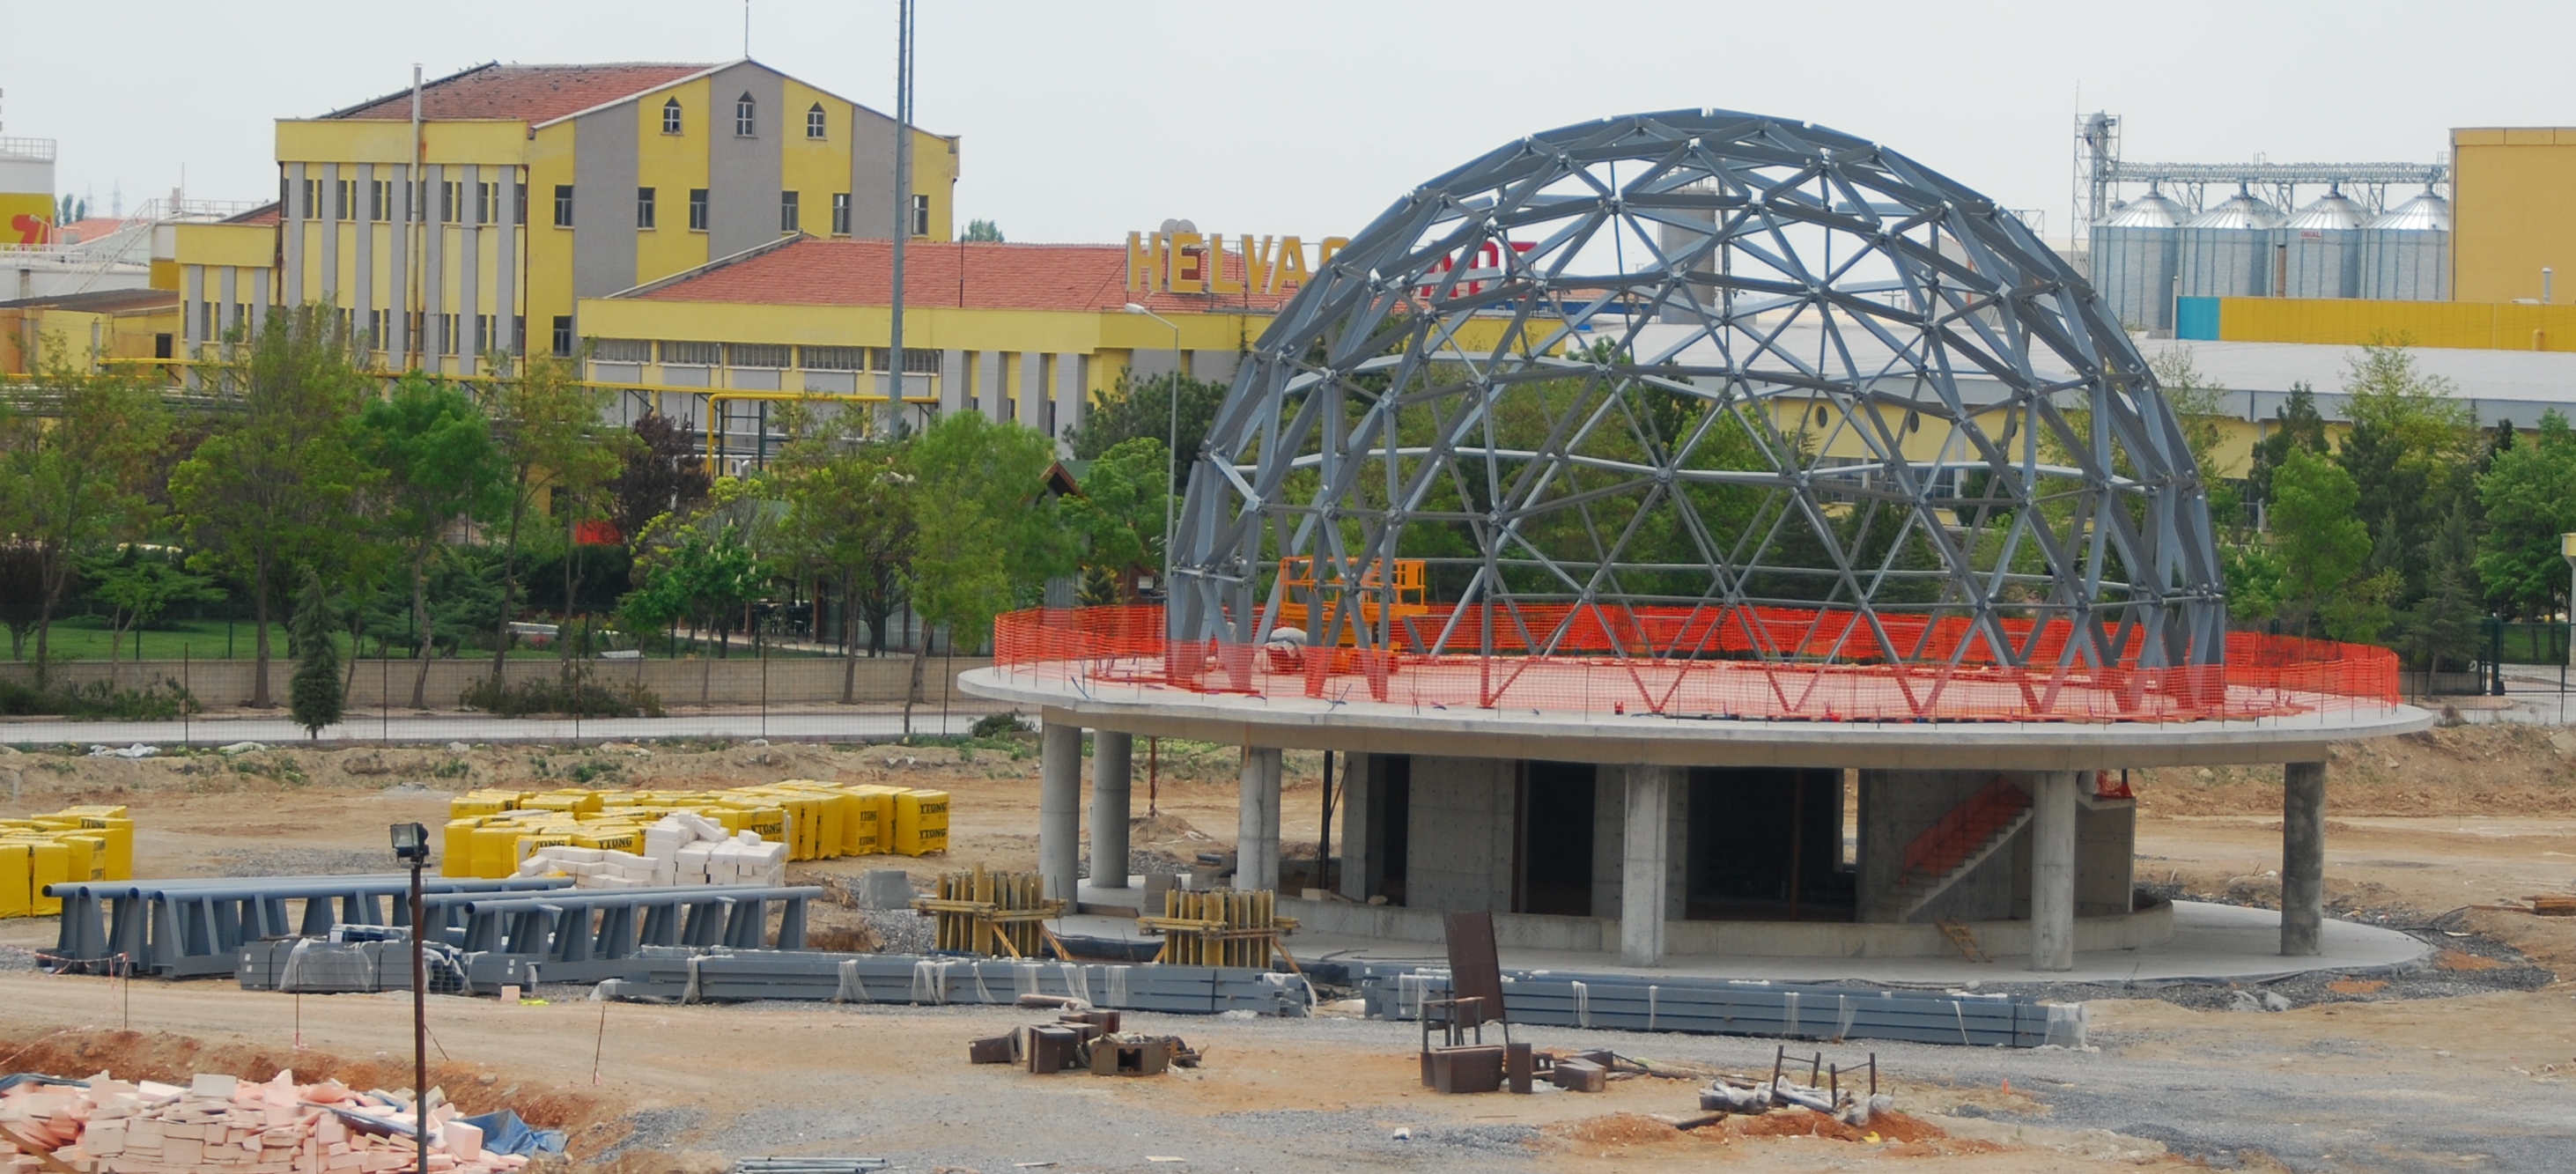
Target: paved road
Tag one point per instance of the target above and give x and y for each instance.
(803, 726)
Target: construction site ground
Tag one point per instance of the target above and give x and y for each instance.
(2460, 1063)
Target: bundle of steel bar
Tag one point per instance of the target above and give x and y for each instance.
(196, 926)
(1221, 927)
(724, 975)
(583, 935)
(977, 911)
(1630, 1002)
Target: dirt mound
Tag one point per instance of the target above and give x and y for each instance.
(2457, 770)
(1163, 827)
(172, 1059)
(1620, 1129)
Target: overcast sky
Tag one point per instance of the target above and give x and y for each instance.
(1084, 120)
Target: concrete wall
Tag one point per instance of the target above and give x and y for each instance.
(1898, 805)
(1461, 846)
(800, 681)
(1760, 939)
(2106, 858)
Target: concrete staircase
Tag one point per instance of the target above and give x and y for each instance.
(1961, 840)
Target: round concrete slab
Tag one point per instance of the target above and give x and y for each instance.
(1134, 707)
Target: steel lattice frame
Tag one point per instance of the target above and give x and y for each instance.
(1811, 372)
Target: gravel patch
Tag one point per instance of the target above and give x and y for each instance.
(899, 931)
(654, 1129)
(297, 862)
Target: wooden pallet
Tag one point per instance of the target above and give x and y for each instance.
(990, 912)
(1221, 928)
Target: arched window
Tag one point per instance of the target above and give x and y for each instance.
(671, 117)
(814, 122)
(746, 121)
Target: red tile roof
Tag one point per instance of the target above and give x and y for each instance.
(529, 93)
(975, 275)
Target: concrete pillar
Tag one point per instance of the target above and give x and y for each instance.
(1060, 808)
(1112, 756)
(1641, 882)
(1360, 866)
(2052, 870)
(1256, 838)
(2303, 859)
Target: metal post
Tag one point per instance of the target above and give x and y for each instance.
(419, 1024)
(186, 736)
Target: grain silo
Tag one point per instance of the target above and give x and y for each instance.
(2405, 252)
(2134, 252)
(2226, 252)
(2321, 249)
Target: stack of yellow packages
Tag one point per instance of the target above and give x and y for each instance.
(74, 844)
(492, 833)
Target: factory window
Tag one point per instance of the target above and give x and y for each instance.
(311, 209)
(698, 209)
(671, 116)
(563, 335)
(814, 122)
(921, 215)
(347, 208)
(380, 200)
(451, 201)
(643, 207)
(377, 323)
(447, 334)
(834, 358)
(916, 360)
(563, 205)
(840, 213)
(787, 217)
(756, 354)
(161, 346)
(482, 333)
(522, 217)
(746, 120)
(622, 350)
(487, 203)
(693, 354)
(518, 334)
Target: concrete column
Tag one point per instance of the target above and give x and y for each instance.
(1256, 839)
(1641, 882)
(506, 278)
(1112, 757)
(1060, 808)
(469, 256)
(328, 216)
(398, 301)
(293, 215)
(1361, 869)
(2052, 871)
(990, 388)
(2303, 859)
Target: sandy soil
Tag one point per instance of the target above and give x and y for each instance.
(2419, 827)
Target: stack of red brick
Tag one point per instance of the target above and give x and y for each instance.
(219, 1123)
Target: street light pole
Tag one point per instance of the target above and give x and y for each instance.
(1171, 446)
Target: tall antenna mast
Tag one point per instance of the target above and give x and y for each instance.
(902, 204)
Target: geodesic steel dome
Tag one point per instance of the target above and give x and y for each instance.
(1701, 384)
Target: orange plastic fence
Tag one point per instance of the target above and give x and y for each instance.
(1748, 663)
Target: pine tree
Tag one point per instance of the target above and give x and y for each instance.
(313, 695)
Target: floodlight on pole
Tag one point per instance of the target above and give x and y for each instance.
(1171, 443)
(411, 846)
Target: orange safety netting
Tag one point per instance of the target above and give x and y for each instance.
(1744, 663)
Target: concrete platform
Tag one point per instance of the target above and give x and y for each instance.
(2210, 942)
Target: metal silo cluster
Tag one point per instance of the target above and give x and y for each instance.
(2152, 250)
(2405, 252)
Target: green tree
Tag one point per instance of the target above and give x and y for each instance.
(2295, 424)
(1119, 514)
(989, 535)
(850, 519)
(2322, 545)
(137, 586)
(275, 485)
(2528, 493)
(2412, 451)
(1143, 407)
(433, 450)
(2441, 629)
(77, 455)
(546, 423)
(315, 694)
(983, 230)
